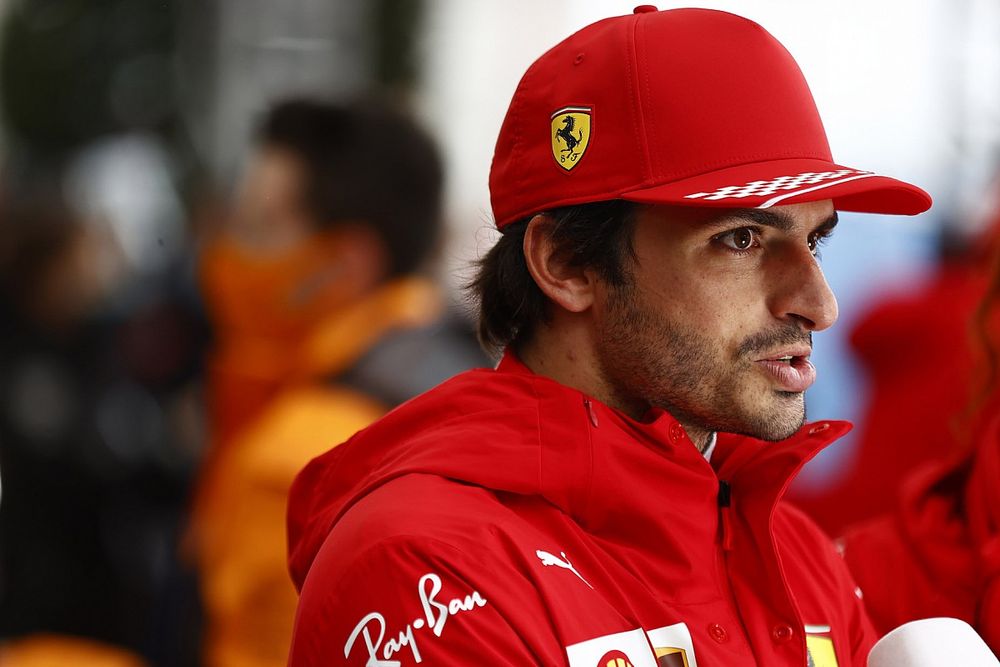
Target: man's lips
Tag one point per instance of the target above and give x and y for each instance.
(790, 369)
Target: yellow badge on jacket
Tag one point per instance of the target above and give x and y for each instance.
(819, 646)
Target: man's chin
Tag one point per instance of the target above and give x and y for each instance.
(781, 425)
(776, 435)
(777, 421)
(770, 426)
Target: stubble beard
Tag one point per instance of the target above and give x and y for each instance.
(648, 360)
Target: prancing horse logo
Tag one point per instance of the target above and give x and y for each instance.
(566, 134)
(571, 130)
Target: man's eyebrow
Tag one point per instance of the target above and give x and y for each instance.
(770, 218)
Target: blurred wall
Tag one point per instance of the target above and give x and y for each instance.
(263, 50)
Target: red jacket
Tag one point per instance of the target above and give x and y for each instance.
(938, 554)
(505, 519)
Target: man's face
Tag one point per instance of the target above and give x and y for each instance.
(715, 324)
(269, 216)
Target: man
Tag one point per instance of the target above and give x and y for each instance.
(608, 495)
(322, 324)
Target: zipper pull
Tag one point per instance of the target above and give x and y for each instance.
(725, 507)
(590, 411)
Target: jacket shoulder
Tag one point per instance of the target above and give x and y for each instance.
(416, 570)
(419, 507)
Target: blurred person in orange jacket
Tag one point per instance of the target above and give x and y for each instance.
(937, 552)
(322, 324)
(47, 650)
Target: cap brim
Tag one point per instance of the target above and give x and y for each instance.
(789, 181)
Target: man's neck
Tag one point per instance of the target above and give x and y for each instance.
(568, 358)
(701, 437)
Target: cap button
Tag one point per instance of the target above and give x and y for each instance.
(645, 9)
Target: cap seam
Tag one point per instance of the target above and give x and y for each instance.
(638, 119)
(652, 139)
(519, 177)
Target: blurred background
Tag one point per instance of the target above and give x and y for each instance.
(127, 130)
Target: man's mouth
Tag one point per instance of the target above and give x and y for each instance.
(791, 370)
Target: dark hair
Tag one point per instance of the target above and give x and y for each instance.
(365, 163)
(511, 305)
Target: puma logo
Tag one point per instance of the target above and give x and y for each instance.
(549, 559)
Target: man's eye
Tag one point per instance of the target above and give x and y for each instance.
(740, 239)
(816, 240)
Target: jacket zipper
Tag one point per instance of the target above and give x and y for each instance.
(725, 499)
(725, 517)
(591, 413)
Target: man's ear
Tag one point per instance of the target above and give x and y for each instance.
(571, 287)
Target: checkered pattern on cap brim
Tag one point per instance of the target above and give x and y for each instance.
(780, 182)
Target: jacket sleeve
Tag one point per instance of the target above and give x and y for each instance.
(410, 601)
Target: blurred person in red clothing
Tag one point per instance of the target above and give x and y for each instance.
(322, 322)
(937, 552)
(920, 357)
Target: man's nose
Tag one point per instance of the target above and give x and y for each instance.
(802, 293)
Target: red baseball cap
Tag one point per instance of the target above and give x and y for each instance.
(686, 107)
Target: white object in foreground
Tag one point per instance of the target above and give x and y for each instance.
(932, 642)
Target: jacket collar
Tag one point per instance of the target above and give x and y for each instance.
(574, 445)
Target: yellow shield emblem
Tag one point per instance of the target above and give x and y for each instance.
(819, 647)
(570, 135)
